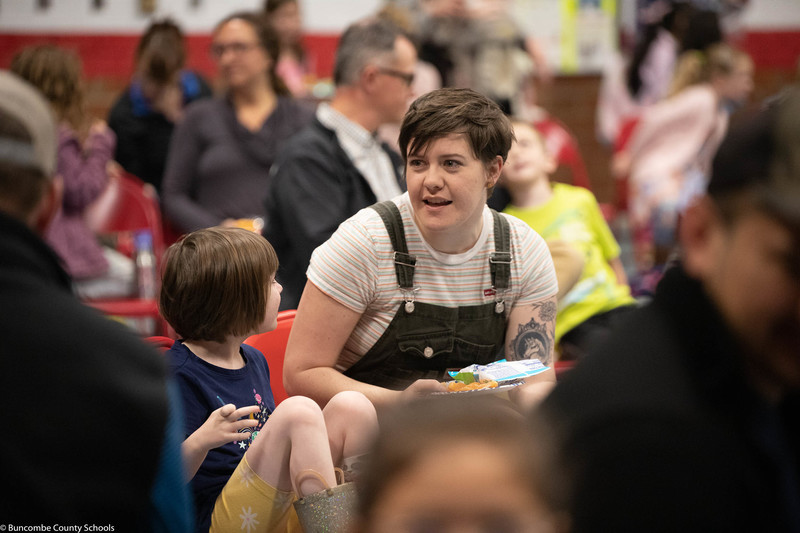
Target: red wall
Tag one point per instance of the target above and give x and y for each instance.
(773, 49)
(111, 56)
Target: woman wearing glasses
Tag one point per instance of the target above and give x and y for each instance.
(222, 152)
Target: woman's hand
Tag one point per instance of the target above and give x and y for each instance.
(169, 102)
(114, 170)
(98, 127)
(422, 387)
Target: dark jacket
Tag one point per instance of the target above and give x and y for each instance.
(314, 188)
(143, 134)
(665, 433)
(84, 400)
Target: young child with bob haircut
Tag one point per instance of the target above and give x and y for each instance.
(456, 463)
(219, 288)
(568, 214)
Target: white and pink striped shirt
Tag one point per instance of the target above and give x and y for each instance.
(355, 267)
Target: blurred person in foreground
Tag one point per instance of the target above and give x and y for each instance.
(337, 165)
(689, 414)
(91, 436)
(455, 463)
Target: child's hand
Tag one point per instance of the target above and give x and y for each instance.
(220, 428)
(100, 137)
(223, 426)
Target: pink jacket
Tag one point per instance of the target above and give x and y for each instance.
(676, 135)
(83, 169)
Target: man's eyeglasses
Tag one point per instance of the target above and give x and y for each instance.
(218, 50)
(407, 78)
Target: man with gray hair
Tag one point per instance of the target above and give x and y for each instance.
(86, 403)
(336, 165)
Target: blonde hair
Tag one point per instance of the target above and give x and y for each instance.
(57, 73)
(696, 67)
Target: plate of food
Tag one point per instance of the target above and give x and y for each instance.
(479, 387)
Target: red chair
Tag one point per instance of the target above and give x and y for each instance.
(273, 345)
(160, 342)
(127, 205)
(620, 145)
(562, 367)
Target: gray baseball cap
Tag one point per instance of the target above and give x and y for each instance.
(26, 104)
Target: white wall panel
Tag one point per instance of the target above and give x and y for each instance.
(124, 16)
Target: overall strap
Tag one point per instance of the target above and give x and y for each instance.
(500, 259)
(403, 261)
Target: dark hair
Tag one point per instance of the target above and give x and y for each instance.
(268, 40)
(362, 43)
(216, 283)
(757, 165)
(450, 110)
(57, 73)
(270, 7)
(675, 21)
(21, 186)
(702, 30)
(407, 434)
(161, 51)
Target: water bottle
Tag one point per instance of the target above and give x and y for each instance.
(145, 264)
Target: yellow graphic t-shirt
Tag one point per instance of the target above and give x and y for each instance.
(573, 216)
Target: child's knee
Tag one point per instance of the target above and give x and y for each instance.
(297, 411)
(350, 404)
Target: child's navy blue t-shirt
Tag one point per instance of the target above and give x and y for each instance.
(205, 388)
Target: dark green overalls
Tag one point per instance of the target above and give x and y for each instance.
(424, 340)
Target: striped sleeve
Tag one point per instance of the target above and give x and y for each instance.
(345, 266)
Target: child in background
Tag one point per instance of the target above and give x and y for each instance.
(671, 149)
(219, 288)
(458, 463)
(560, 212)
(293, 67)
(85, 152)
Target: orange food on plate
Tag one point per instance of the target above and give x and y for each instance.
(458, 386)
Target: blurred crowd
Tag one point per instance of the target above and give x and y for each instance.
(412, 217)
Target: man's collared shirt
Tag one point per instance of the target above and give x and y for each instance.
(364, 150)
